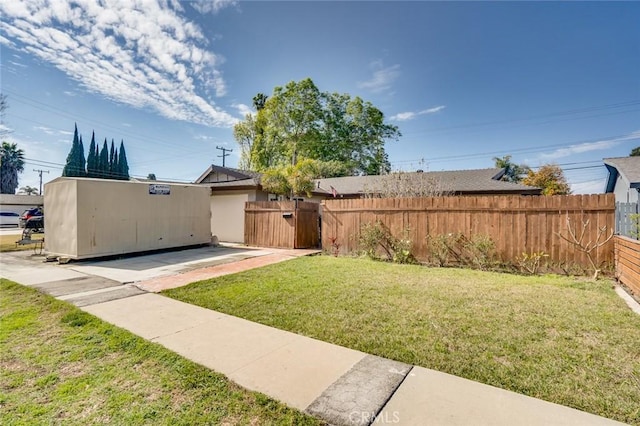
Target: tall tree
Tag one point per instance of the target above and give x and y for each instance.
(123, 165)
(635, 152)
(259, 100)
(113, 165)
(550, 178)
(82, 164)
(512, 172)
(74, 166)
(11, 163)
(92, 158)
(103, 161)
(299, 121)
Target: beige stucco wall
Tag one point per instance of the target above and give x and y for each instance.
(92, 217)
(227, 214)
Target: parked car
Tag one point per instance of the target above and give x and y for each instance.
(9, 219)
(29, 213)
(35, 224)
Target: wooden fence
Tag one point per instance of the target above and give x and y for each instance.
(281, 224)
(516, 224)
(627, 256)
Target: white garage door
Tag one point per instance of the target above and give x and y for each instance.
(227, 217)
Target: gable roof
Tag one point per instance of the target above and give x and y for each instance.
(628, 167)
(235, 173)
(480, 181)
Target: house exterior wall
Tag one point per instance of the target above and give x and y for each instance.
(623, 192)
(91, 217)
(227, 214)
(19, 203)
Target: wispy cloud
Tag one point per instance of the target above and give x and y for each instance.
(143, 54)
(243, 109)
(410, 115)
(46, 130)
(588, 146)
(382, 77)
(212, 6)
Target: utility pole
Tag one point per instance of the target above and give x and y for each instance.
(224, 153)
(40, 172)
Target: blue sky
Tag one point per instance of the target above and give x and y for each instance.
(465, 82)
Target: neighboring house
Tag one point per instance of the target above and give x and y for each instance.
(19, 203)
(624, 178)
(453, 182)
(231, 188)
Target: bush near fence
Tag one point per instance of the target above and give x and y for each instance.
(517, 224)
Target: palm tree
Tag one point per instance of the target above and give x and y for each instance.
(11, 163)
(28, 190)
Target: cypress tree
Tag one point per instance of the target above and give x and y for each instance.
(81, 163)
(112, 165)
(104, 161)
(122, 163)
(70, 166)
(92, 157)
(116, 167)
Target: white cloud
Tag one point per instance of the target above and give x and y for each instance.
(136, 52)
(46, 130)
(243, 109)
(212, 6)
(410, 115)
(382, 77)
(588, 146)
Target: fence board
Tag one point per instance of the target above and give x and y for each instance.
(516, 224)
(624, 223)
(627, 255)
(266, 224)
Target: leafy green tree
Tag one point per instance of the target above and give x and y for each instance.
(151, 176)
(512, 172)
(103, 161)
(291, 180)
(550, 178)
(75, 164)
(635, 152)
(11, 163)
(259, 101)
(123, 165)
(299, 121)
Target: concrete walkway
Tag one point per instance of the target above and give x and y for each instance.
(339, 385)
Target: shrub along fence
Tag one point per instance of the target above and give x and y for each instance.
(627, 255)
(517, 224)
(282, 224)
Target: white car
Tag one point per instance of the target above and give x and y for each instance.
(9, 219)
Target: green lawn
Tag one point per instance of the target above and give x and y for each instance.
(60, 365)
(565, 340)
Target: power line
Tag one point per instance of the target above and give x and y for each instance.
(40, 172)
(224, 153)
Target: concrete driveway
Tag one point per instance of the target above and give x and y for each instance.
(85, 283)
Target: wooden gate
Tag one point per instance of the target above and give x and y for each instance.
(281, 224)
